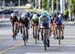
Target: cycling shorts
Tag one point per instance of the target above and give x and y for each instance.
(45, 25)
(25, 22)
(59, 24)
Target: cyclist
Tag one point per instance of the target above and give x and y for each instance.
(35, 22)
(25, 21)
(14, 21)
(59, 22)
(44, 22)
(53, 24)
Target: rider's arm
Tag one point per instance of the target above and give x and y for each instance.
(40, 21)
(49, 20)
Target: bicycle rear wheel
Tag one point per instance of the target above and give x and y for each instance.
(45, 40)
(24, 36)
(36, 36)
(59, 36)
(41, 33)
(45, 44)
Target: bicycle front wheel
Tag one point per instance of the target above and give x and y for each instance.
(45, 43)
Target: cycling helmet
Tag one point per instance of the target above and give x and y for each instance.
(44, 14)
(12, 14)
(59, 16)
(23, 16)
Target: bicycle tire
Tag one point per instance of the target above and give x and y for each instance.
(36, 36)
(24, 36)
(59, 36)
(45, 44)
(44, 39)
(41, 34)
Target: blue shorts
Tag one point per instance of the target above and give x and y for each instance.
(59, 24)
(45, 25)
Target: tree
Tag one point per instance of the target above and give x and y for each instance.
(44, 4)
(72, 6)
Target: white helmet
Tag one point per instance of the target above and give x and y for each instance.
(12, 14)
(34, 16)
(59, 16)
(23, 16)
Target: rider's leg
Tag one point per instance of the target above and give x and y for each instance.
(37, 32)
(41, 33)
(62, 31)
(33, 28)
(21, 29)
(14, 32)
(13, 29)
(16, 28)
(54, 31)
(51, 27)
(57, 32)
(48, 38)
(27, 33)
(37, 26)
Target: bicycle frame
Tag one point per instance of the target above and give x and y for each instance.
(35, 33)
(45, 37)
(59, 34)
(24, 33)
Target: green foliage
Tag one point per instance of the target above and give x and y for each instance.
(44, 4)
(72, 6)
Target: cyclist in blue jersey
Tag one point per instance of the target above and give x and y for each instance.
(59, 22)
(44, 22)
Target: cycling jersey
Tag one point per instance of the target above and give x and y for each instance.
(44, 20)
(24, 19)
(13, 18)
(59, 21)
(35, 18)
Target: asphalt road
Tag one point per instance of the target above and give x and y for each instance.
(10, 46)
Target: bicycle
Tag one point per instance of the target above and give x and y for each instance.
(59, 36)
(41, 33)
(24, 32)
(15, 31)
(45, 38)
(35, 33)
